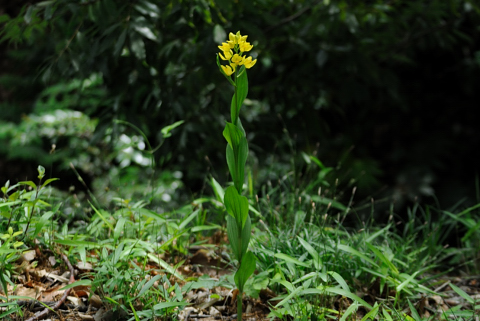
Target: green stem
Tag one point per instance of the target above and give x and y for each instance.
(240, 293)
(239, 306)
(235, 115)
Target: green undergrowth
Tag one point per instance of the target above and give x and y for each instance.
(318, 267)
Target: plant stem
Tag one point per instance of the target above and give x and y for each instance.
(239, 305)
(235, 115)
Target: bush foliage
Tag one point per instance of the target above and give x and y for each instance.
(385, 91)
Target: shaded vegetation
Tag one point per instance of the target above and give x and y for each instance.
(362, 180)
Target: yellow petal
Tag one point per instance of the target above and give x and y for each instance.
(224, 47)
(251, 63)
(236, 59)
(245, 61)
(238, 36)
(228, 70)
(228, 55)
(245, 46)
(231, 37)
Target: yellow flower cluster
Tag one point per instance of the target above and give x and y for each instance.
(233, 51)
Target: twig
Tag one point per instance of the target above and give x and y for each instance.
(35, 305)
(441, 286)
(293, 16)
(46, 311)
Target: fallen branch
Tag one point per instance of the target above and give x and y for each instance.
(35, 305)
(46, 311)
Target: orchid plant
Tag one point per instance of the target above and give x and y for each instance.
(238, 220)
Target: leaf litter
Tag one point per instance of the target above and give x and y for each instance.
(40, 284)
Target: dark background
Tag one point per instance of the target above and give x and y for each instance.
(386, 92)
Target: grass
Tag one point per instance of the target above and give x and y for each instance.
(314, 265)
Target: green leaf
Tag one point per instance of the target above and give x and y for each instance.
(231, 162)
(9, 203)
(241, 161)
(167, 129)
(148, 285)
(45, 219)
(326, 201)
(386, 315)
(120, 43)
(347, 294)
(199, 228)
(82, 251)
(407, 281)
(294, 293)
(317, 261)
(311, 275)
(237, 205)
(237, 153)
(462, 293)
(383, 258)
(233, 135)
(48, 181)
(148, 9)
(372, 314)
(77, 283)
(219, 34)
(78, 243)
(352, 251)
(41, 171)
(290, 259)
(110, 226)
(188, 220)
(340, 280)
(138, 46)
(246, 269)
(165, 265)
(218, 190)
(241, 92)
(49, 9)
(351, 309)
(29, 183)
(119, 228)
(233, 235)
(246, 233)
(164, 305)
(414, 311)
(238, 248)
(28, 15)
(144, 30)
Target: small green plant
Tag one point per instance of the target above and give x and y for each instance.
(10, 251)
(24, 217)
(238, 219)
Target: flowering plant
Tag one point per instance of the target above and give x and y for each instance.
(238, 220)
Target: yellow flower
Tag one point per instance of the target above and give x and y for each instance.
(232, 51)
(232, 40)
(236, 59)
(224, 47)
(228, 70)
(228, 55)
(236, 39)
(242, 39)
(245, 46)
(248, 62)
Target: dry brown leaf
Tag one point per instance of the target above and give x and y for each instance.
(28, 292)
